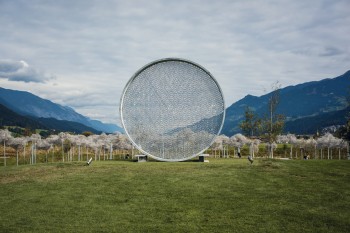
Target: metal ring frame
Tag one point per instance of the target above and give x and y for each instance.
(172, 109)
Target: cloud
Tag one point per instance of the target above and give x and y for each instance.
(20, 71)
(96, 46)
(331, 51)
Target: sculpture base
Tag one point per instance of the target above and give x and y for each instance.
(141, 158)
(202, 158)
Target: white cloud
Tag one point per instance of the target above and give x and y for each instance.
(20, 71)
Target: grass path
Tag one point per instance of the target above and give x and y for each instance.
(225, 195)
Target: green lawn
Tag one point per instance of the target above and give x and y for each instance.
(225, 195)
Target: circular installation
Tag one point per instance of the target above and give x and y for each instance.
(172, 109)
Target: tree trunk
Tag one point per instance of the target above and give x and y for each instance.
(315, 151)
(271, 152)
(35, 152)
(53, 154)
(103, 152)
(32, 154)
(4, 153)
(328, 154)
(62, 152)
(111, 152)
(24, 153)
(87, 154)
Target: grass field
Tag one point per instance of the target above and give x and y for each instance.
(225, 195)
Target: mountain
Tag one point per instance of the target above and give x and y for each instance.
(25, 103)
(10, 118)
(65, 126)
(104, 127)
(298, 103)
(310, 125)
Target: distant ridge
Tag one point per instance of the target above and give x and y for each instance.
(27, 104)
(10, 118)
(66, 126)
(313, 124)
(299, 103)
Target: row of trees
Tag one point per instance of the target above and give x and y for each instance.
(65, 144)
(68, 147)
(321, 148)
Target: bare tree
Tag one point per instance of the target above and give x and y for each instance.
(225, 141)
(311, 143)
(274, 123)
(54, 140)
(24, 144)
(16, 143)
(292, 140)
(79, 141)
(44, 145)
(63, 138)
(217, 145)
(34, 138)
(5, 135)
(238, 141)
(328, 141)
(254, 147)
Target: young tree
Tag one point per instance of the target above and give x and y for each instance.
(16, 143)
(287, 139)
(251, 124)
(216, 145)
(44, 145)
(225, 141)
(5, 135)
(54, 140)
(274, 122)
(347, 136)
(238, 141)
(63, 137)
(344, 131)
(254, 147)
(327, 141)
(79, 140)
(34, 138)
(312, 145)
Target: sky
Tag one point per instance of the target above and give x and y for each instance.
(82, 53)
